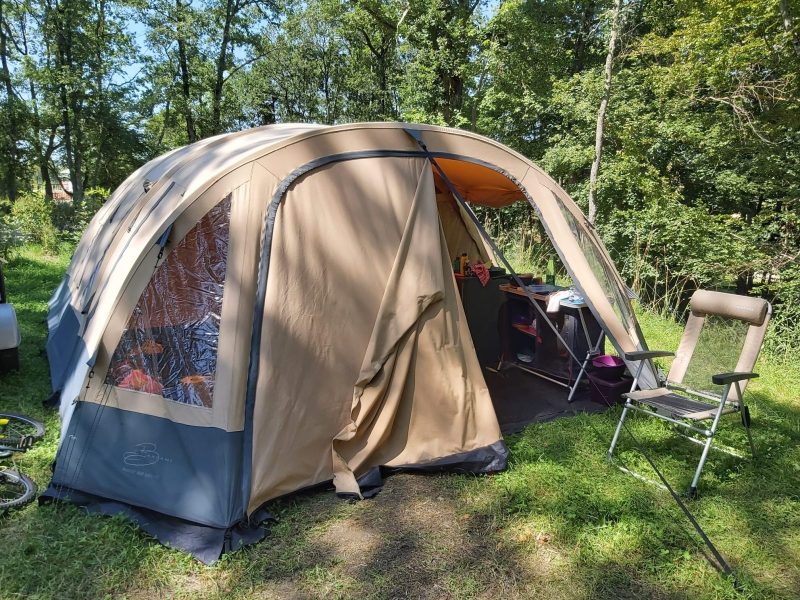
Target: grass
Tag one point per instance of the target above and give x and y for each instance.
(559, 523)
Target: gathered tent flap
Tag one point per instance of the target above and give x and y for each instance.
(459, 231)
(418, 396)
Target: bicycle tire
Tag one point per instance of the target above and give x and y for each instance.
(16, 489)
(21, 428)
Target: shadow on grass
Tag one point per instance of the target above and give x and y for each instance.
(423, 538)
(560, 523)
(748, 506)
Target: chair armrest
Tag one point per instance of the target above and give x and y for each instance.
(726, 378)
(647, 354)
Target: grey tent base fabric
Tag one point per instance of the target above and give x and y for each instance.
(485, 460)
(62, 343)
(489, 459)
(520, 399)
(206, 544)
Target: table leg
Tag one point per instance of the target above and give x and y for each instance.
(592, 350)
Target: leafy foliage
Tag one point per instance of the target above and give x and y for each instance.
(31, 215)
(699, 183)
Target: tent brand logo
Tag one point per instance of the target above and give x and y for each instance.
(144, 456)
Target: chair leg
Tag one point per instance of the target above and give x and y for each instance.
(696, 480)
(619, 428)
(745, 412)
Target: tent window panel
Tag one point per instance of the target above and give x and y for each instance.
(602, 270)
(169, 346)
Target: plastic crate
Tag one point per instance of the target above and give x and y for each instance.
(608, 392)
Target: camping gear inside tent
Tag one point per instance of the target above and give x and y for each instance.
(268, 310)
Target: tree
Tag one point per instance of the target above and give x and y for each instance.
(601, 112)
(442, 37)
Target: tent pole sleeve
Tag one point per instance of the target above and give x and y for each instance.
(498, 253)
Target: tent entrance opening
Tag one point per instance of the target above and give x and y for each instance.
(526, 354)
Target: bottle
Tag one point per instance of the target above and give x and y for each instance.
(551, 272)
(464, 263)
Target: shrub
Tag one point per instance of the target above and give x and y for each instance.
(668, 250)
(10, 235)
(31, 214)
(71, 218)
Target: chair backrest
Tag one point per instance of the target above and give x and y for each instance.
(724, 333)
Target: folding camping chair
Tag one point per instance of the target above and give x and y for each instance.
(719, 347)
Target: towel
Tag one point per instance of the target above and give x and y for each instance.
(481, 272)
(554, 300)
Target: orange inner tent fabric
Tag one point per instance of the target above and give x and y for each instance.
(478, 184)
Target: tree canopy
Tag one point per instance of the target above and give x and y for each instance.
(699, 183)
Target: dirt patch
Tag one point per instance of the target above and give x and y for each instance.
(417, 540)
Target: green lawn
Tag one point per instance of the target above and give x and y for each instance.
(560, 522)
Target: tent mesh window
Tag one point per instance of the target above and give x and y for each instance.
(717, 351)
(169, 346)
(603, 271)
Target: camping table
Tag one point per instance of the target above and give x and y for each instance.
(580, 309)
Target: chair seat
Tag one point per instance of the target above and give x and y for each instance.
(677, 406)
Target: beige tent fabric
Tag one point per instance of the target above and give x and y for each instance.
(458, 234)
(428, 400)
(420, 392)
(280, 149)
(390, 360)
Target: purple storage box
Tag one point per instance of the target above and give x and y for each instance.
(607, 392)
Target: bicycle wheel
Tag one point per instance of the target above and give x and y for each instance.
(19, 431)
(16, 489)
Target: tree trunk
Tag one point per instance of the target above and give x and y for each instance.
(582, 36)
(69, 117)
(100, 100)
(601, 113)
(44, 168)
(11, 134)
(222, 59)
(42, 156)
(191, 133)
(788, 26)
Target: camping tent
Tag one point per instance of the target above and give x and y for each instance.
(263, 311)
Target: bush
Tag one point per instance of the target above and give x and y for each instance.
(10, 235)
(668, 250)
(32, 218)
(71, 218)
(31, 214)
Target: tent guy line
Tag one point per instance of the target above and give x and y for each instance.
(721, 564)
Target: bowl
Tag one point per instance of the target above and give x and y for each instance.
(610, 368)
